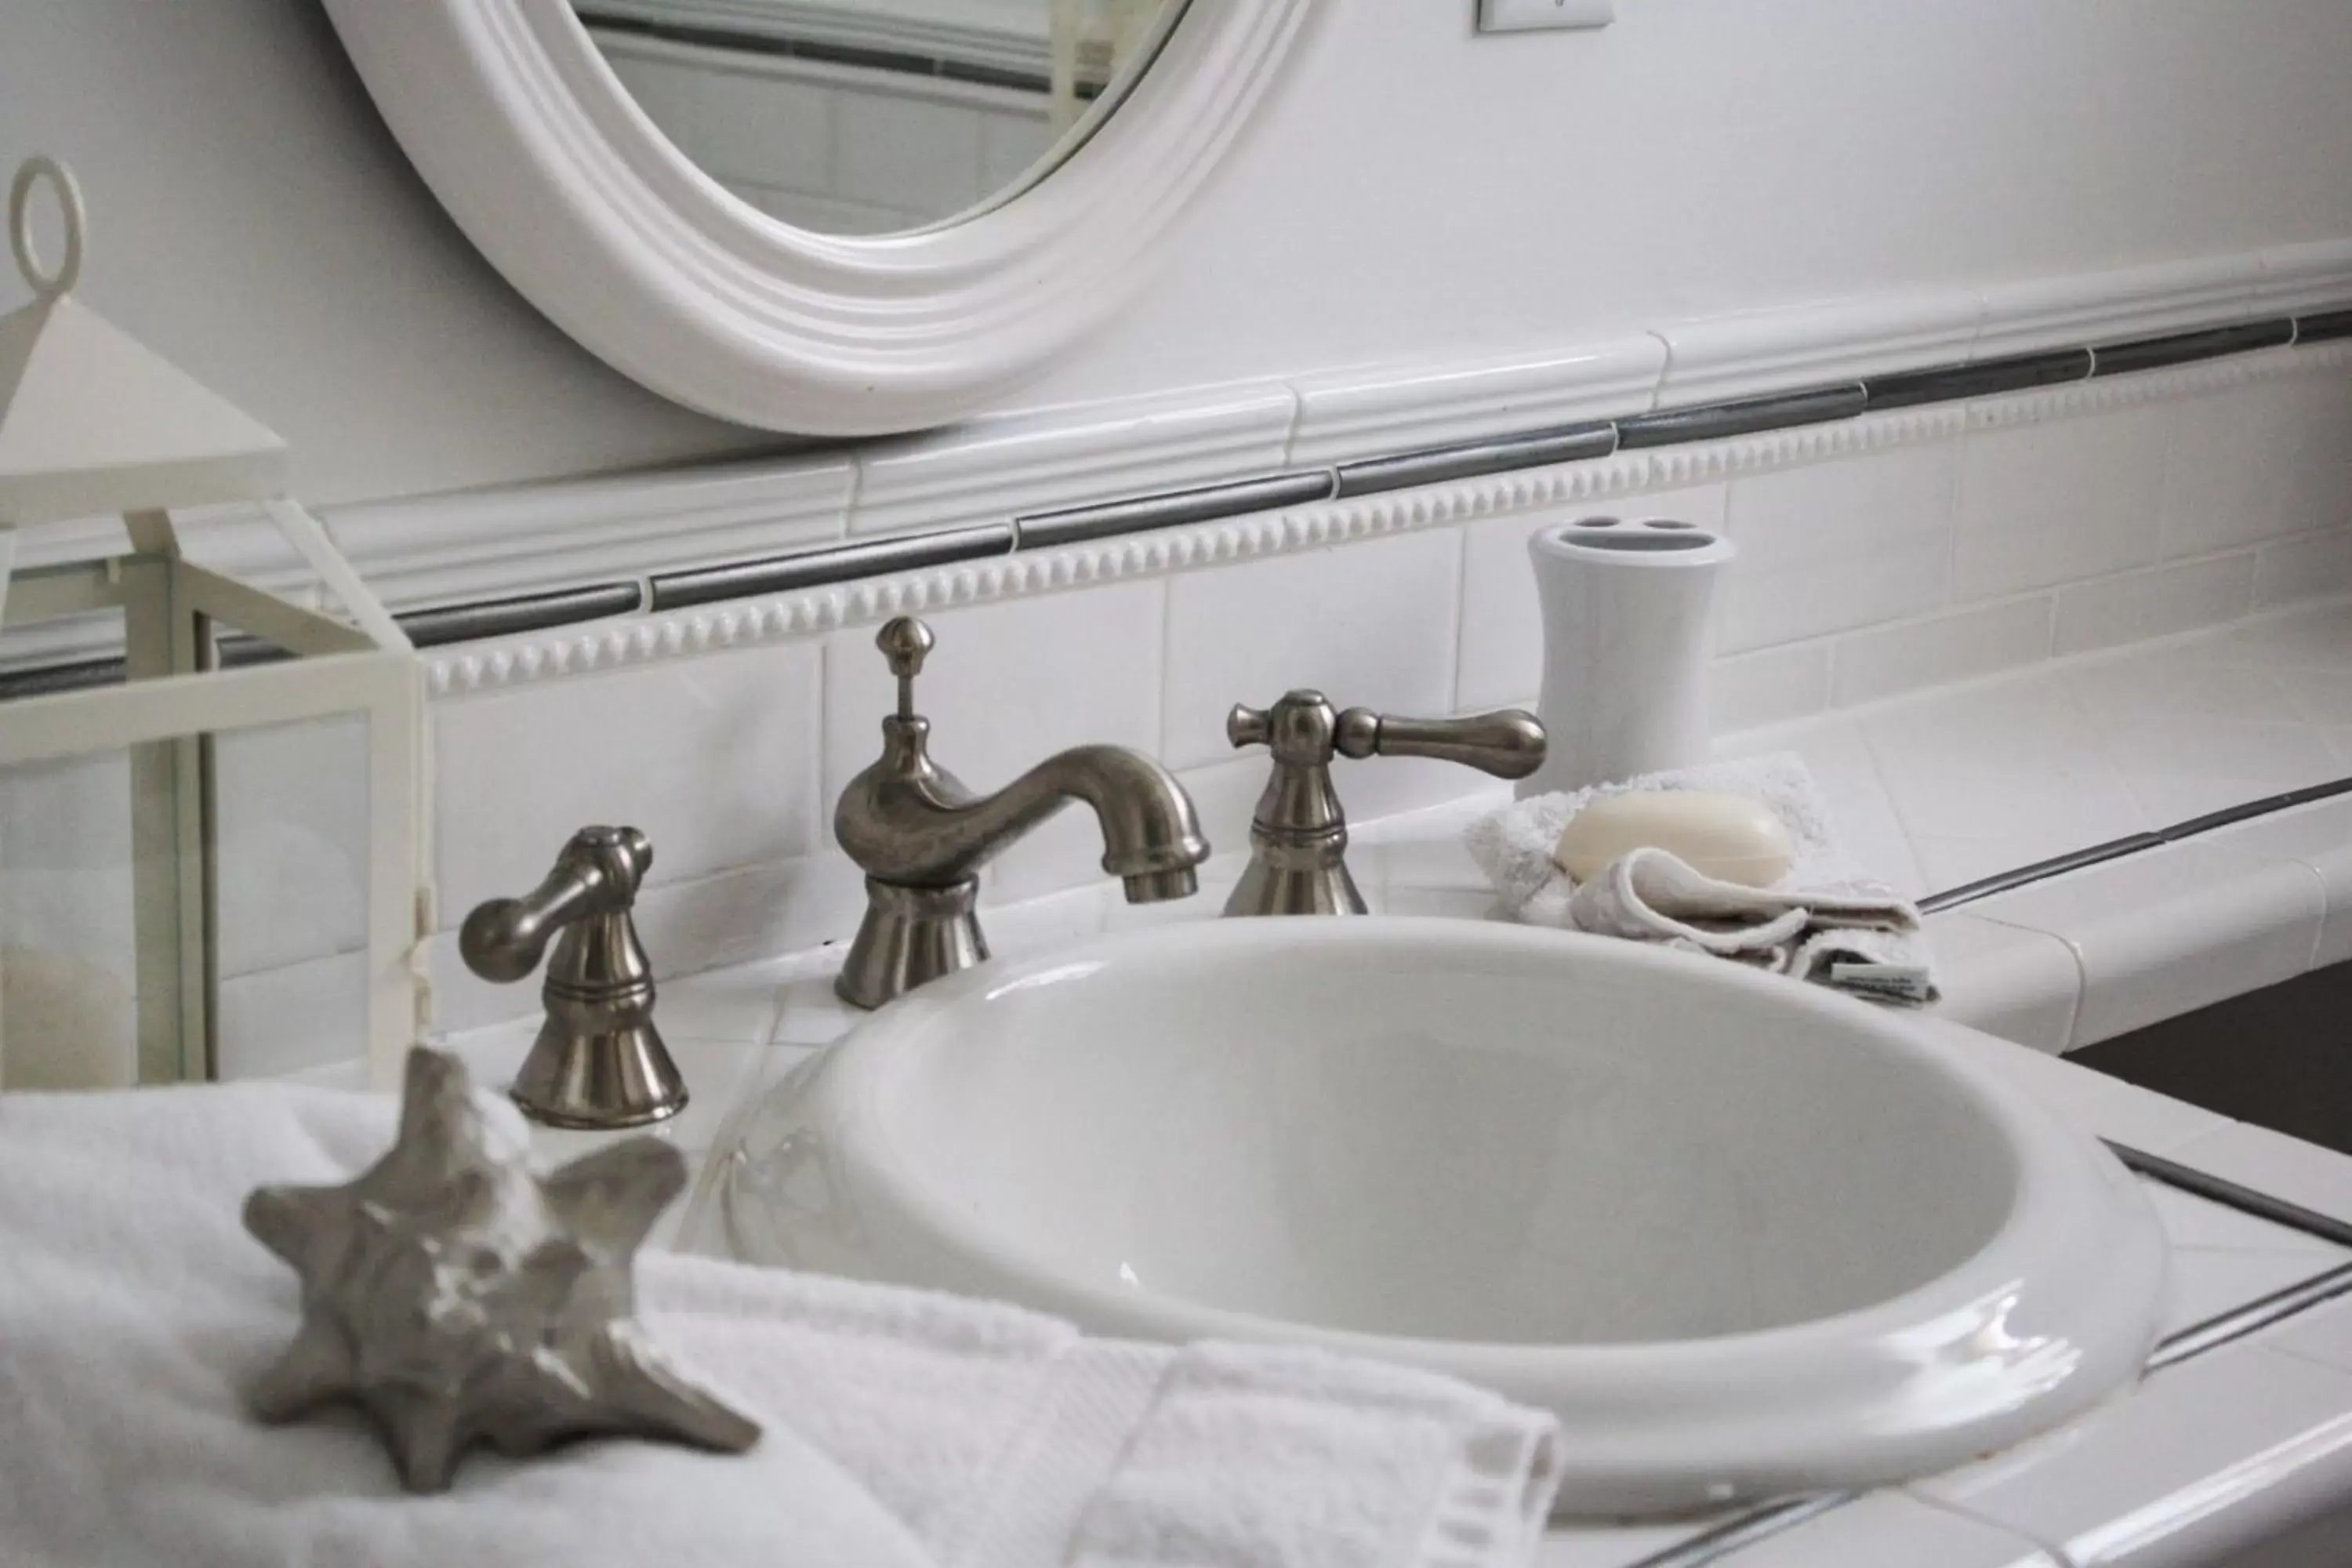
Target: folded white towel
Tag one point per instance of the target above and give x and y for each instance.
(904, 1429)
(1821, 922)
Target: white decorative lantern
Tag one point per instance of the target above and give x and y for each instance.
(91, 423)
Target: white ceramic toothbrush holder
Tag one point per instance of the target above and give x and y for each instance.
(1628, 632)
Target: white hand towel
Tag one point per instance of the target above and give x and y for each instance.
(1821, 922)
(903, 1430)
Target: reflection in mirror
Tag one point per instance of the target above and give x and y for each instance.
(865, 117)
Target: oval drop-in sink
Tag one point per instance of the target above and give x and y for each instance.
(1744, 1237)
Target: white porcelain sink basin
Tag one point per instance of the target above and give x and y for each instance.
(1745, 1237)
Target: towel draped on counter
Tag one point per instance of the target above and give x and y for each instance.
(903, 1430)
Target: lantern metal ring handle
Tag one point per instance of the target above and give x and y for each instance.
(46, 284)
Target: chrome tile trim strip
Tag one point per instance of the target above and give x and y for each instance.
(529, 613)
(2116, 848)
(1437, 465)
(1746, 1530)
(2040, 870)
(1948, 383)
(2310, 792)
(2251, 1318)
(2231, 1195)
(834, 563)
(1597, 439)
(42, 680)
(1747, 416)
(2324, 326)
(2179, 348)
(426, 629)
(1077, 525)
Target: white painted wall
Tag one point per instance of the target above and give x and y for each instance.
(1413, 190)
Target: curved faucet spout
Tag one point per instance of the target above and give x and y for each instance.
(907, 821)
(921, 837)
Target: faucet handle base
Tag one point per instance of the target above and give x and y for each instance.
(910, 935)
(621, 1077)
(1288, 878)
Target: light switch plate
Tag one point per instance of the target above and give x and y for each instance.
(1527, 16)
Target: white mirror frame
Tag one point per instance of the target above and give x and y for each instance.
(511, 115)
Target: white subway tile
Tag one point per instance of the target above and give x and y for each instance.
(2272, 1163)
(2189, 1220)
(1951, 860)
(1838, 545)
(294, 1019)
(2056, 502)
(1371, 625)
(290, 859)
(2071, 309)
(2016, 984)
(1502, 623)
(2322, 696)
(713, 757)
(893, 151)
(2215, 762)
(1893, 1527)
(1769, 686)
(2203, 1461)
(2189, 681)
(2318, 638)
(995, 470)
(1381, 410)
(2317, 410)
(2010, 761)
(2320, 837)
(2133, 607)
(2307, 567)
(756, 125)
(2229, 469)
(1751, 352)
(1929, 651)
(1009, 144)
(2170, 929)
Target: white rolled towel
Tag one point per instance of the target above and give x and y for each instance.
(903, 1430)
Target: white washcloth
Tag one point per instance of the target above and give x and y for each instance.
(1821, 922)
(904, 1429)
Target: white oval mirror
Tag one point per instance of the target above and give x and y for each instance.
(868, 117)
(831, 218)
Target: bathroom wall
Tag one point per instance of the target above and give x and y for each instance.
(1415, 195)
(1413, 190)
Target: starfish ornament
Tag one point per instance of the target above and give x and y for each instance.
(456, 1298)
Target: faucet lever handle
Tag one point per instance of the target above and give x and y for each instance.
(598, 1061)
(597, 873)
(1247, 726)
(1508, 743)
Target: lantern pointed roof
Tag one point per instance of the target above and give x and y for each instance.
(91, 421)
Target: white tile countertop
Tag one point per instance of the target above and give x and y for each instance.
(2229, 1444)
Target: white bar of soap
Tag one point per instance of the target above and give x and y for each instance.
(1731, 837)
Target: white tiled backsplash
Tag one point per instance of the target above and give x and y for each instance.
(1972, 539)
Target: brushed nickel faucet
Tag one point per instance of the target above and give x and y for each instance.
(921, 836)
(1298, 836)
(598, 1061)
